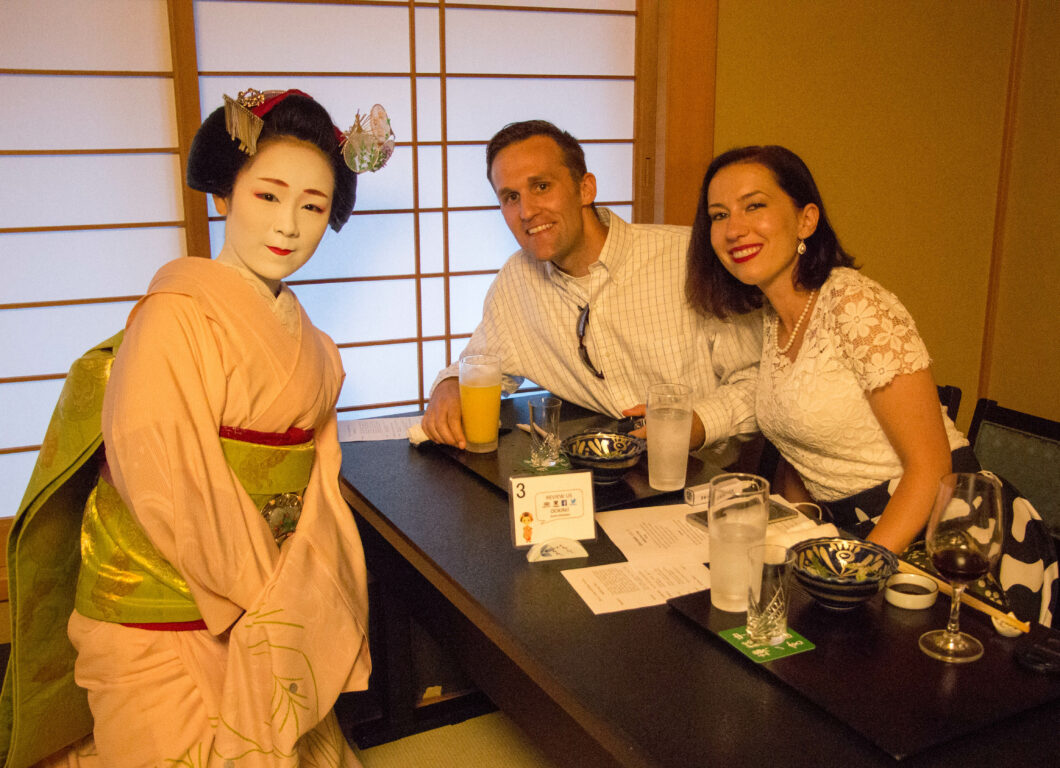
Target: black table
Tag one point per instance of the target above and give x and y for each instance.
(637, 688)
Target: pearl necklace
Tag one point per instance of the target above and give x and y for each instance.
(798, 324)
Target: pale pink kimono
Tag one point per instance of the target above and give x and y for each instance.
(287, 626)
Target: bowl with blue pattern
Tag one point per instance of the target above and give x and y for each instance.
(841, 574)
(610, 455)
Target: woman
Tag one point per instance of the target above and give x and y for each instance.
(221, 604)
(845, 388)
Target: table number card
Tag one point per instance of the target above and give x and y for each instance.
(551, 506)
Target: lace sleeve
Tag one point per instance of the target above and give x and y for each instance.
(877, 335)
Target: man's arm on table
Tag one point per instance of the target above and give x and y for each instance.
(441, 421)
(727, 411)
(735, 351)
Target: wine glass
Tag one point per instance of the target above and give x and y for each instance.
(964, 542)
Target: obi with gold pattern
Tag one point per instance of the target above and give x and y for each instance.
(123, 576)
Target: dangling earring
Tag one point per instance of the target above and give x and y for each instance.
(801, 248)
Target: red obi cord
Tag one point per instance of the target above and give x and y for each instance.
(170, 626)
(293, 436)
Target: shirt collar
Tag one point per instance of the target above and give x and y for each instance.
(616, 251)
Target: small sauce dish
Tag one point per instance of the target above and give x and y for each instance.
(911, 591)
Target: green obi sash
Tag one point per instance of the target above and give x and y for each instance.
(124, 577)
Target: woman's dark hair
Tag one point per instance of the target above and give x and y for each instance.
(215, 157)
(710, 288)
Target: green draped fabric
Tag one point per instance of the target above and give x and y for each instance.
(43, 556)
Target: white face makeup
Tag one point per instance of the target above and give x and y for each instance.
(278, 210)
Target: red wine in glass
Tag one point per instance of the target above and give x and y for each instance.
(963, 540)
(960, 564)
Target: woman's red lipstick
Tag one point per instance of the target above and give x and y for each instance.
(279, 251)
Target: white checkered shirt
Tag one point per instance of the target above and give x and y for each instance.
(641, 331)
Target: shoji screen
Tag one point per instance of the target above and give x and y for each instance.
(90, 202)
(98, 205)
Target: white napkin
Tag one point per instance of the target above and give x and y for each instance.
(417, 435)
(806, 529)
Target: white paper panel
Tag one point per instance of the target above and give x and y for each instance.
(15, 469)
(129, 35)
(428, 109)
(432, 303)
(88, 264)
(434, 361)
(380, 374)
(27, 408)
(430, 243)
(530, 42)
(301, 37)
(87, 112)
(343, 97)
(382, 244)
(90, 189)
(370, 311)
(430, 172)
(49, 339)
(599, 5)
(612, 164)
(465, 301)
(588, 109)
(427, 40)
(468, 185)
(479, 240)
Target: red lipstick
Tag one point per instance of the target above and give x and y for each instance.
(279, 251)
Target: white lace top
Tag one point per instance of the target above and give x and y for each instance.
(814, 409)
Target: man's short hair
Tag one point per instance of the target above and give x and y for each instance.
(573, 154)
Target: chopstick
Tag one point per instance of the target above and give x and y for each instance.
(966, 599)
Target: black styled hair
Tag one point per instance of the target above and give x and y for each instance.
(710, 288)
(215, 158)
(573, 154)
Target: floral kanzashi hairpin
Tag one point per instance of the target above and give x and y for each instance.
(369, 142)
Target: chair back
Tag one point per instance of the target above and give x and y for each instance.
(950, 396)
(1023, 449)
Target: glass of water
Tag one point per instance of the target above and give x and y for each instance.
(669, 424)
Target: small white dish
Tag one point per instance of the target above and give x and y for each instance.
(1005, 630)
(911, 591)
(556, 549)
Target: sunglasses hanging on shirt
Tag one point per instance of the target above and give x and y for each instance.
(583, 351)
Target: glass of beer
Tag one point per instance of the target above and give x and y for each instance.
(480, 401)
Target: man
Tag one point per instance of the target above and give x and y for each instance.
(592, 308)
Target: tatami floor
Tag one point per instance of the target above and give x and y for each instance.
(487, 741)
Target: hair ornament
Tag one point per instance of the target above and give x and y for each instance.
(243, 115)
(369, 142)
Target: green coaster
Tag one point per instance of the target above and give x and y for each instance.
(793, 643)
(562, 465)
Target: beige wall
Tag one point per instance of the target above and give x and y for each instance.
(1025, 369)
(899, 110)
